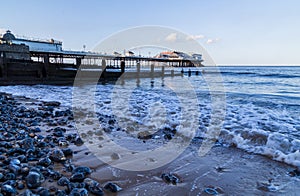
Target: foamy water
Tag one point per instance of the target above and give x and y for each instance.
(262, 106)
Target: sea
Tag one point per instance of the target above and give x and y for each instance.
(261, 105)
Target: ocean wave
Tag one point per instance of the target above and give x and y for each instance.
(279, 147)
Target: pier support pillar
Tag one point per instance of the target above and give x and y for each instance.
(46, 67)
(46, 59)
(78, 62)
(163, 71)
(138, 69)
(103, 67)
(4, 66)
(152, 70)
(189, 72)
(1, 66)
(122, 67)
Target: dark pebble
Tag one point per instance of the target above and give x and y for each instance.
(60, 193)
(27, 192)
(211, 191)
(20, 186)
(41, 191)
(22, 158)
(79, 192)
(63, 181)
(58, 133)
(34, 179)
(112, 187)
(78, 141)
(144, 135)
(46, 161)
(90, 182)
(15, 162)
(71, 186)
(294, 173)
(69, 167)
(170, 178)
(10, 182)
(54, 174)
(52, 103)
(77, 177)
(67, 151)
(57, 155)
(96, 190)
(8, 190)
(14, 168)
(82, 169)
(53, 189)
(10, 176)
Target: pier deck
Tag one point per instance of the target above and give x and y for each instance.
(61, 67)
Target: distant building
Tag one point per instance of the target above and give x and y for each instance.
(173, 55)
(197, 56)
(34, 45)
(179, 55)
(167, 55)
(14, 51)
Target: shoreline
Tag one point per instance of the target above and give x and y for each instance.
(227, 170)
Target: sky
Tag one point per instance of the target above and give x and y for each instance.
(234, 32)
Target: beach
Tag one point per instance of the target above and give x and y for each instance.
(227, 168)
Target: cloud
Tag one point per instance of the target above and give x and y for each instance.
(213, 41)
(172, 37)
(195, 37)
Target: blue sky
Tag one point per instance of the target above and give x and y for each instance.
(232, 31)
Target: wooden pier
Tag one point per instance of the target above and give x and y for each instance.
(18, 65)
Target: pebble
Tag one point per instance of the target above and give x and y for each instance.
(211, 191)
(79, 192)
(77, 177)
(96, 190)
(67, 151)
(82, 169)
(57, 155)
(63, 181)
(44, 161)
(90, 182)
(29, 155)
(112, 187)
(78, 141)
(34, 179)
(295, 172)
(27, 192)
(170, 178)
(8, 190)
(144, 135)
(52, 103)
(42, 191)
(60, 193)
(115, 156)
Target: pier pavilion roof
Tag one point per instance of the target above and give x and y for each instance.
(8, 36)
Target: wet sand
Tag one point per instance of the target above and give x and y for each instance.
(228, 171)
